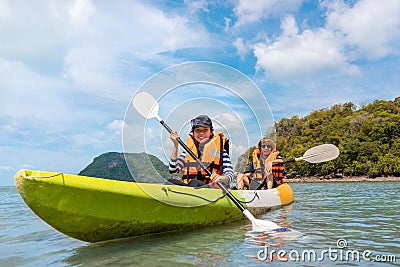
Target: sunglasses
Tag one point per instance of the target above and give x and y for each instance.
(266, 146)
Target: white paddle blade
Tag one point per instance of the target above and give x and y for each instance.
(260, 225)
(321, 153)
(146, 105)
(264, 226)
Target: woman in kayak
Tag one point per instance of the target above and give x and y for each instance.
(211, 149)
(262, 174)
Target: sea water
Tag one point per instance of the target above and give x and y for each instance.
(347, 224)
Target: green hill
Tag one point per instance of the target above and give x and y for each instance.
(139, 167)
(368, 138)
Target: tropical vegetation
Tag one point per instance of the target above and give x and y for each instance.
(368, 138)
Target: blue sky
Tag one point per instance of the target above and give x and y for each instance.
(69, 69)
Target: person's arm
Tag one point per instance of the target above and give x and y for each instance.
(174, 137)
(242, 179)
(227, 167)
(269, 164)
(227, 170)
(176, 163)
(278, 159)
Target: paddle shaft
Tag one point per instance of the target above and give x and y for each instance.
(274, 164)
(319, 155)
(221, 186)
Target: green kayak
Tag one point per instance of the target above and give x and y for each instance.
(94, 209)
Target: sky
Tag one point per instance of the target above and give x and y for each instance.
(69, 69)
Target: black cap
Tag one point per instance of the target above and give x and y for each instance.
(201, 120)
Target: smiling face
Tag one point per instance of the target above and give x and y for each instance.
(201, 133)
(266, 146)
(266, 149)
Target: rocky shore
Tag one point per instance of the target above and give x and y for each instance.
(329, 178)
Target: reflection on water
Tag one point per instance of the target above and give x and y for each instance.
(364, 215)
(208, 246)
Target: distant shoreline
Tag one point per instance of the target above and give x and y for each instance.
(321, 179)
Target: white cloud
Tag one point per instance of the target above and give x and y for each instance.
(370, 27)
(228, 22)
(116, 126)
(195, 6)
(241, 48)
(120, 39)
(81, 13)
(289, 26)
(293, 55)
(69, 67)
(253, 11)
(25, 92)
(36, 33)
(92, 69)
(368, 30)
(229, 120)
(94, 44)
(103, 138)
(236, 151)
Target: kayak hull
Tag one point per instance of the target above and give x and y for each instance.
(94, 209)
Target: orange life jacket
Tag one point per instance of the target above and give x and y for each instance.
(211, 157)
(277, 170)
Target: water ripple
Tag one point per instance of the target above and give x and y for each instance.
(365, 215)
